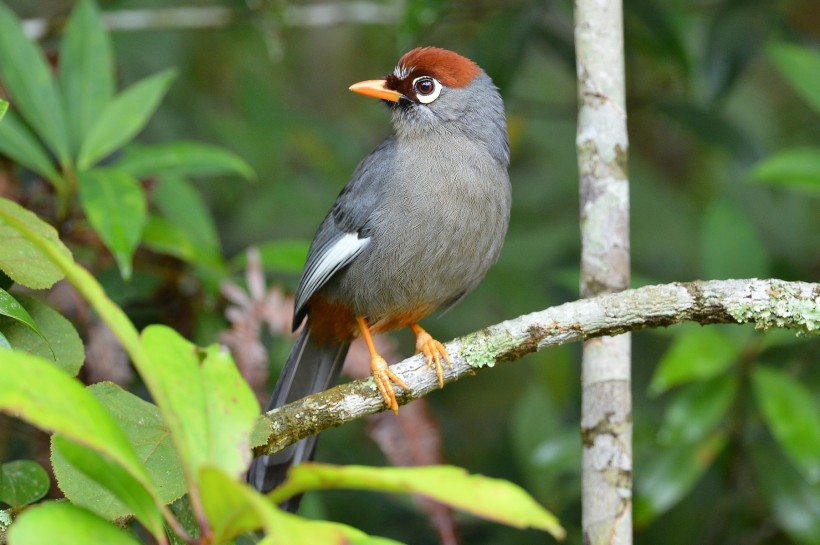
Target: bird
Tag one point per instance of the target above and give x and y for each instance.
(421, 220)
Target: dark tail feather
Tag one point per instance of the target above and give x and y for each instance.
(310, 368)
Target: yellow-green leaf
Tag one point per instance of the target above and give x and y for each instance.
(60, 523)
(492, 499)
(20, 258)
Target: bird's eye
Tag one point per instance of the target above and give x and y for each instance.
(427, 89)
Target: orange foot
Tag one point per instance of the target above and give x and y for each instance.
(383, 377)
(381, 372)
(433, 352)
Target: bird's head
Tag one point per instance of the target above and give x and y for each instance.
(436, 91)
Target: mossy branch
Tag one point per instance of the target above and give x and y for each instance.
(765, 303)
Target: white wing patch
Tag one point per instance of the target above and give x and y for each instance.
(334, 257)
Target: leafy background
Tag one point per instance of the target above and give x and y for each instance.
(723, 102)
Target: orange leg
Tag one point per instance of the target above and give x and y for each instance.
(433, 351)
(381, 372)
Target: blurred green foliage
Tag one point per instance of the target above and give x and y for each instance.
(723, 118)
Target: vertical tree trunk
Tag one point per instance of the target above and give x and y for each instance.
(606, 421)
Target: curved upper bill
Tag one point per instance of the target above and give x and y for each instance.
(375, 88)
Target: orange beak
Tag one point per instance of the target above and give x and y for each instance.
(375, 88)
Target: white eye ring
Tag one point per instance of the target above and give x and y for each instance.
(426, 98)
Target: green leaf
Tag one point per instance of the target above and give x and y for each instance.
(22, 482)
(797, 168)
(57, 341)
(39, 393)
(14, 310)
(731, 246)
(801, 68)
(85, 70)
(20, 258)
(181, 204)
(670, 474)
(4, 343)
(695, 354)
(492, 499)
(148, 435)
(209, 409)
(115, 205)
(793, 416)
(183, 159)
(281, 256)
(60, 523)
(163, 236)
(233, 508)
(4, 106)
(104, 473)
(697, 409)
(19, 144)
(123, 117)
(27, 78)
(795, 503)
(55, 254)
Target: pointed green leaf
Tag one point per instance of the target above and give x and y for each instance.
(115, 205)
(798, 168)
(695, 354)
(123, 117)
(151, 441)
(793, 416)
(20, 258)
(209, 408)
(183, 159)
(492, 499)
(56, 341)
(20, 145)
(670, 474)
(233, 508)
(39, 393)
(14, 310)
(27, 77)
(60, 523)
(22, 482)
(85, 70)
(801, 68)
(166, 237)
(182, 205)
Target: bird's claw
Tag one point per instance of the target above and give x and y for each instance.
(433, 352)
(383, 376)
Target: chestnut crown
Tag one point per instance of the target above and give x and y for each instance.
(421, 71)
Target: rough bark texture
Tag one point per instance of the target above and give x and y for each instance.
(765, 303)
(606, 413)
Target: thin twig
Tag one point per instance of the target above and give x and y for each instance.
(290, 15)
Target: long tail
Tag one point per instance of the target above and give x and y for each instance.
(310, 368)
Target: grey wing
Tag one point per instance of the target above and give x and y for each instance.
(344, 233)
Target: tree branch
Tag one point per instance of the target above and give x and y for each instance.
(606, 380)
(289, 15)
(765, 303)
